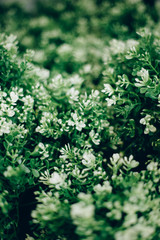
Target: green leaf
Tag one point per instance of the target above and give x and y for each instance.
(143, 90)
(10, 138)
(24, 168)
(5, 145)
(27, 154)
(35, 173)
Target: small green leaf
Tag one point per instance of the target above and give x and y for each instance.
(24, 168)
(10, 138)
(143, 90)
(27, 154)
(35, 173)
(5, 145)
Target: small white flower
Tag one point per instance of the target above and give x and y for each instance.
(130, 162)
(58, 180)
(149, 128)
(5, 126)
(9, 172)
(11, 112)
(87, 68)
(143, 73)
(70, 123)
(95, 137)
(74, 94)
(76, 80)
(87, 103)
(100, 189)
(28, 101)
(14, 97)
(95, 93)
(144, 76)
(81, 210)
(80, 125)
(111, 101)
(108, 89)
(8, 46)
(55, 178)
(152, 166)
(88, 159)
(44, 176)
(42, 73)
(76, 172)
(117, 46)
(146, 121)
(64, 49)
(74, 116)
(38, 129)
(41, 145)
(115, 158)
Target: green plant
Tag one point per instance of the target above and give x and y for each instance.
(79, 121)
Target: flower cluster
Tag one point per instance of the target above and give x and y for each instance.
(79, 121)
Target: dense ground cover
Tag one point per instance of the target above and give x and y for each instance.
(79, 120)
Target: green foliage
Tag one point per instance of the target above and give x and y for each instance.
(79, 121)
(69, 36)
(132, 91)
